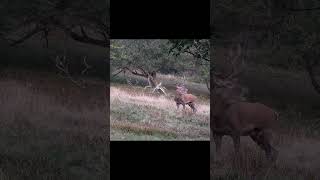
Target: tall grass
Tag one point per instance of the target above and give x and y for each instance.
(297, 159)
(44, 135)
(139, 115)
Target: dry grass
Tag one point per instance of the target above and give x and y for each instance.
(168, 80)
(139, 115)
(299, 149)
(298, 159)
(51, 129)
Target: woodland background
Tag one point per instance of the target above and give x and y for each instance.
(53, 79)
(280, 45)
(143, 114)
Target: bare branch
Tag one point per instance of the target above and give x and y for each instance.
(83, 37)
(143, 71)
(26, 36)
(88, 39)
(195, 55)
(121, 70)
(134, 72)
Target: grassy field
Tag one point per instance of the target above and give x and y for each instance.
(298, 159)
(137, 114)
(51, 129)
(297, 139)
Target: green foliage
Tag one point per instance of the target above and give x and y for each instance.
(281, 33)
(149, 54)
(160, 56)
(198, 49)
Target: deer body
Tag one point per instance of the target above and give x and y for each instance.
(183, 98)
(235, 117)
(246, 119)
(243, 117)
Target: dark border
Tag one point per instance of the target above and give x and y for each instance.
(162, 19)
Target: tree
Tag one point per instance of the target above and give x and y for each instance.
(141, 58)
(287, 32)
(84, 21)
(198, 49)
(146, 58)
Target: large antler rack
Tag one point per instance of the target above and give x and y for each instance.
(62, 64)
(235, 65)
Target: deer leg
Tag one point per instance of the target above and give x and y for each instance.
(260, 137)
(217, 140)
(236, 143)
(192, 107)
(177, 105)
(271, 153)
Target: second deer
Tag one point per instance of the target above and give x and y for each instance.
(182, 97)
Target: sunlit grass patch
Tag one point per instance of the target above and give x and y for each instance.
(134, 111)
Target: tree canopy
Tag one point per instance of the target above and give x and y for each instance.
(276, 32)
(84, 21)
(164, 56)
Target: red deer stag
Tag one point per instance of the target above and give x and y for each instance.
(182, 97)
(235, 117)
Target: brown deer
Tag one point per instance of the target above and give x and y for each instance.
(235, 117)
(182, 97)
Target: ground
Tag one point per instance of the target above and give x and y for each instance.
(297, 159)
(51, 129)
(138, 114)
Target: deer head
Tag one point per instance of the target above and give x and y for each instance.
(226, 85)
(181, 89)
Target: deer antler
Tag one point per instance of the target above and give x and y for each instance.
(237, 64)
(160, 87)
(62, 65)
(87, 66)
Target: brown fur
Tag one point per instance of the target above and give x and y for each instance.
(237, 118)
(183, 98)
